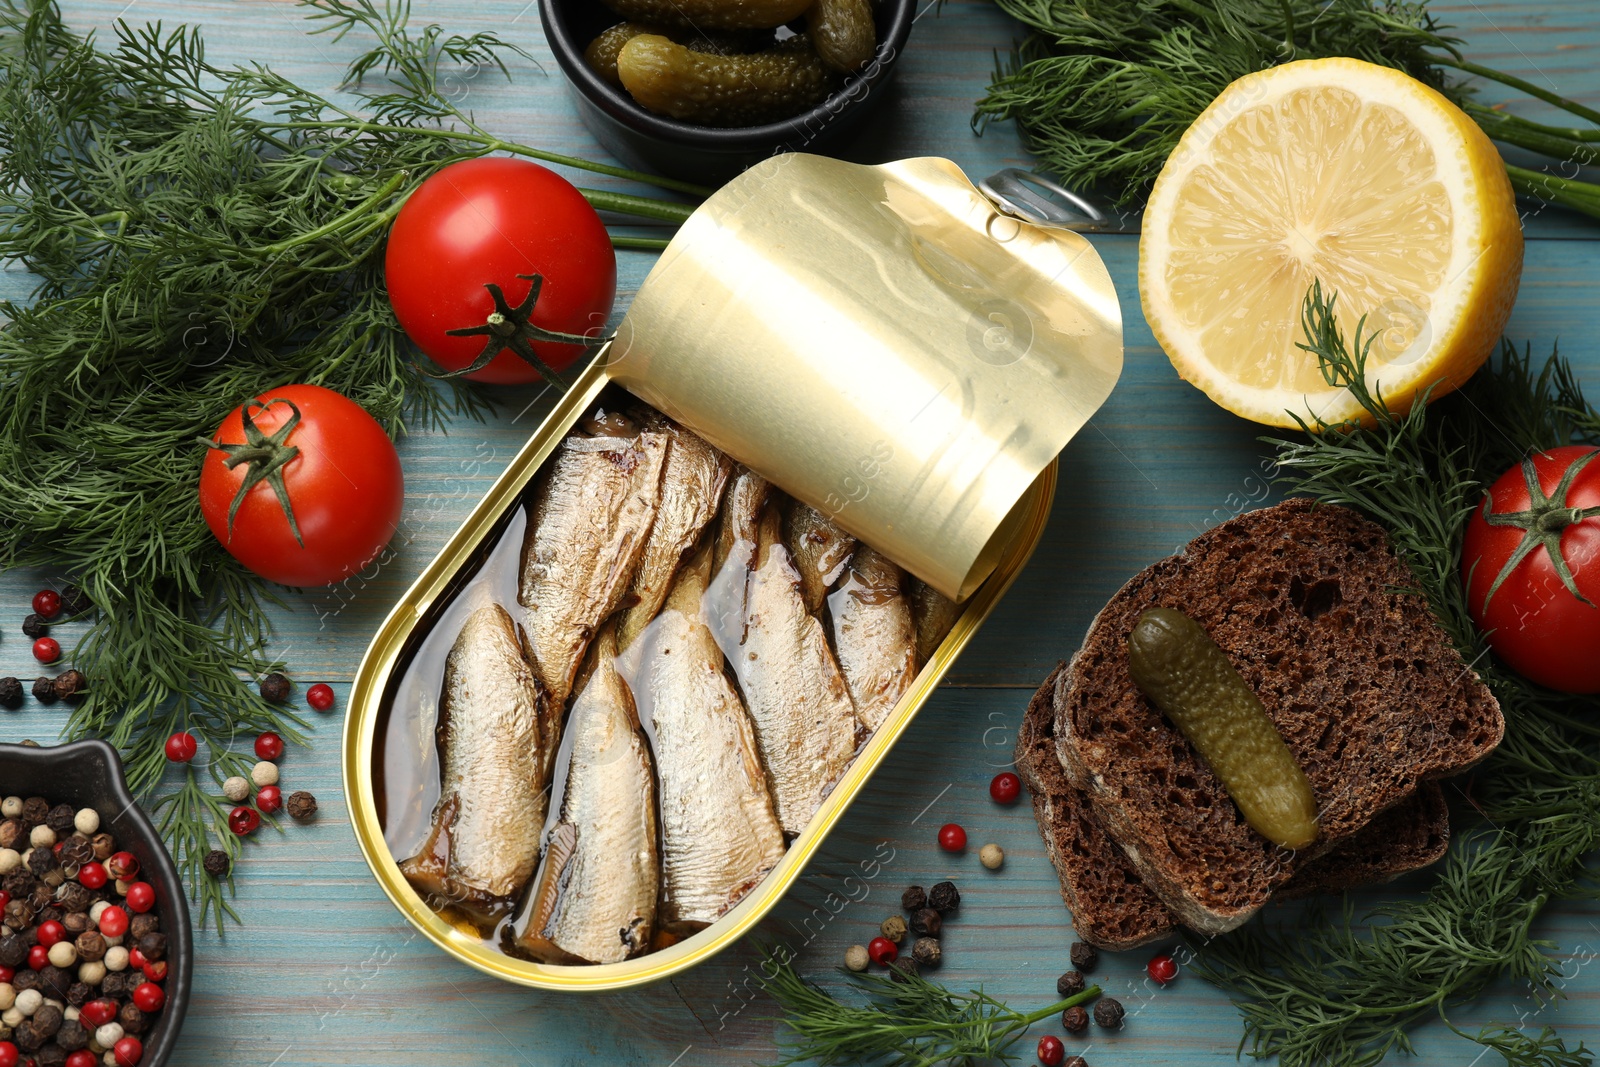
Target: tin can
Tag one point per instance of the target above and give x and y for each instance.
(879, 342)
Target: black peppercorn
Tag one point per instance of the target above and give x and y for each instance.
(1070, 984)
(54, 982)
(944, 898)
(75, 602)
(49, 914)
(1084, 956)
(115, 984)
(1075, 1019)
(60, 819)
(1108, 1013)
(78, 994)
(12, 951)
(41, 860)
(217, 863)
(903, 968)
(927, 922)
(132, 1019)
(19, 882)
(104, 845)
(148, 923)
(91, 946)
(35, 626)
(44, 690)
(301, 805)
(48, 1019)
(77, 922)
(12, 834)
(10, 693)
(51, 1056)
(75, 852)
(71, 685)
(27, 978)
(927, 951)
(1074, 1061)
(275, 688)
(28, 1036)
(914, 899)
(153, 946)
(73, 1035)
(34, 811)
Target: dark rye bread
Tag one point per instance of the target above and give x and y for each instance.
(1366, 689)
(1114, 910)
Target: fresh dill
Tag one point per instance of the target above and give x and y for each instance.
(906, 1020)
(1346, 989)
(1102, 90)
(201, 234)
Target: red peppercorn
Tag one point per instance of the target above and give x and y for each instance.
(127, 1052)
(1162, 968)
(1005, 788)
(952, 838)
(1051, 1050)
(881, 950)
(5, 898)
(47, 603)
(47, 650)
(113, 921)
(155, 970)
(148, 996)
(269, 746)
(136, 959)
(319, 696)
(243, 820)
(141, 897)
(6, 974)
(38, 957)
(92, 875)
(181, 747)
(51, 932)
(8, 1054)
(81, 1058)
(122, 865)
(97, 1013)
(269, 800)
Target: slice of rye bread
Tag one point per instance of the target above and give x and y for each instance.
(1114, 910)
(1310, 605)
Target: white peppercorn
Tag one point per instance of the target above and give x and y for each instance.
(264, 773)
(108, 1035)
(9, 859)
(991, 856)
(116, 958)
(8, 995)
(856, 957)
(28, 1001)
(12, 1017)
(11, 807)
(96, 908)
(87, 821)
(63, 954)
(92, 973)
(42, 836)
(236, 789)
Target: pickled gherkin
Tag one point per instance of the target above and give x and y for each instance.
(1179, 667)
(712, 14)
(602, 51)
(744, 90)
(842, 33)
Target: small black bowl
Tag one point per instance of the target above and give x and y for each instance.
(88, 774)
(710, 154)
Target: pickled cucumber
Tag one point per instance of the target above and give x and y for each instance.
(712, 14)
(744, 90)
(842, 33)
(602, 51)
(1175, 663)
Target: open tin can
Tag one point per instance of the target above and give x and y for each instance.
(880, 343)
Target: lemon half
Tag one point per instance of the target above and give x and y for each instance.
(1340, 171)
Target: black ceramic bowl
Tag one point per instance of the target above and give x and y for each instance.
(88, 774)
(710, 154)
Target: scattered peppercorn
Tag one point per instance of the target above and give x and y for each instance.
(62, 819)
(927, 951)
(104, 845)
(47, 650)
(1051, 1050)
(1084, 956)
(275, 688)
(320, 696)
(34, 626)
(894, 928)
(903, 968)
(882, 950)
(927, 922)
(217, 863)
(1005, 788)
(74, 601)
(944, 898)
(1075, 1019)
(44, 690)
(75, 852)
(70, 685)
(10, 693)
(952, 838)
(914, 899)
(1074, 1061)
(1070, 984)
(301, 805)
(991, 856)
(1108, 1013)
(856, 958)
(1162, 968)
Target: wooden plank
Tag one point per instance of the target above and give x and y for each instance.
(324, 971)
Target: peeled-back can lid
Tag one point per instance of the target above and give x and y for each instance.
(882, 343)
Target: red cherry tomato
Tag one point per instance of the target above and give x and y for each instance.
(181, 747)
(1162, 968)
(1537, 621)
(345, 488)
(881, 950)
(1051, 1050)
(498, 221)
(952, 838)
(1006, 788)
(141, 897)
(147, 997)
(269, 746)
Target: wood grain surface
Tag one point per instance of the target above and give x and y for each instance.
(324, 971)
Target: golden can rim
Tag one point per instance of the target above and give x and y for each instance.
(377, 664)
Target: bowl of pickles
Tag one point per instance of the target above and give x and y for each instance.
(701, 89)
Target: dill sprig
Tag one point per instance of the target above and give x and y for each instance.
(1346, 989)
(907, 1021)
(1102, 90)
(201, 234)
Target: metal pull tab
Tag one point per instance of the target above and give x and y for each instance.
(1039, 200)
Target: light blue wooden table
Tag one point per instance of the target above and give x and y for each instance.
(324, 971)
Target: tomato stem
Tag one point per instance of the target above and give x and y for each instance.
(508, 327)
(264, 458)
(1542, 525)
